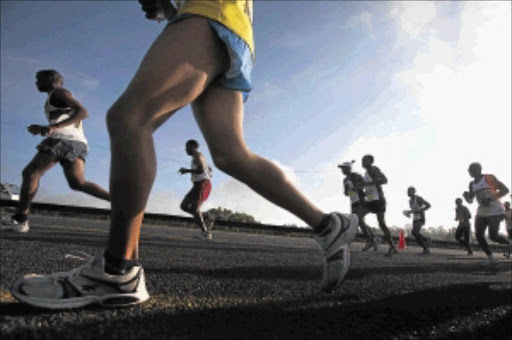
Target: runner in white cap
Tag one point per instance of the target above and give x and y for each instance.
(353, 185)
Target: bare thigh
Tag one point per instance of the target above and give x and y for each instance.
(178, 67)
(42, 162)
(74, 171)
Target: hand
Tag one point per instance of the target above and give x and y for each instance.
(34, 129)
(45, 131)
(153, 7)
(182, 171)
(467, 196)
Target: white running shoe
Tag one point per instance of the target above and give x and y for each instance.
(209, 220)
(85, 285)
(204, 235)
(10, 224)
(335, 243)
(490, 262)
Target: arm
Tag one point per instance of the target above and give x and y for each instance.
(501, 189)
(378, 178)
(151, 8)
(200, 163)
(64, 98)
(426, 205)
(469, 195)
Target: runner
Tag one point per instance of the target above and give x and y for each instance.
(375, 202)
(508, 224)
(197, 59)
(353, 184)
(463, 215)
(200, 173)
(417, 207)
(487, 190)
(65, 142)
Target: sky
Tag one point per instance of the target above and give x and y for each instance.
(423, 86)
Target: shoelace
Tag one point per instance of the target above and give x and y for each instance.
(76, 255)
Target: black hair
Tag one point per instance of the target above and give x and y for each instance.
(370, 157)
(52, 75)
(193, 143)
(476, 165)
(458, 200)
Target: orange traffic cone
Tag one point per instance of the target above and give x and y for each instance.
(401, 241)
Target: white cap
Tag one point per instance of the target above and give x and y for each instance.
(346, 164)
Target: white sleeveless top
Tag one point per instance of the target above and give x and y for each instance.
(352, 192)
(55, 115)
(205, 175)
(417, 214)
(483, 190)
(371, 191)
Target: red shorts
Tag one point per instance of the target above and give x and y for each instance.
(199, 192)
(204, 192)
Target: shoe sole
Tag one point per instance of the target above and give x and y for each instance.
(345, 238)
(108, 300)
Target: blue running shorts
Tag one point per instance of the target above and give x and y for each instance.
(238, 76)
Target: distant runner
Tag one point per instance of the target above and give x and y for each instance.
(375, 202)
(487, 190)
(353, 185)
(417, 207)
(65, 143)
(200, 173)
(463, 230)
(508, 224)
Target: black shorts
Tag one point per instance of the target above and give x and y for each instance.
(356, 207)
(464, 226)
(64, 150)
(376, 207)
(418, 223)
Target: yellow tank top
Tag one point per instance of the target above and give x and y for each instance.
(234, 14)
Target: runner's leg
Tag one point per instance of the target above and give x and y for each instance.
(219, 114)
(480, 226)
(180, 64)
(75, 172)
(41, 163)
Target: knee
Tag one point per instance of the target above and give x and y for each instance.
(494, 236)
(75, 184)
(184, 207)
(126, 117)
(228, 161)
(30, 174)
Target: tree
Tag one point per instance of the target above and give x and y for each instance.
(224, 214)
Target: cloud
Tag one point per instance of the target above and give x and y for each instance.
(414, 17)
(364, 19)
(461, 91)
(23, 59)
(87, 82)
(236, 196)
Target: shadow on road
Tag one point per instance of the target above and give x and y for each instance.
(427, 314)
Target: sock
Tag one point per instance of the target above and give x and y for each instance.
(321, 228)
(117, 266)
(20, 218)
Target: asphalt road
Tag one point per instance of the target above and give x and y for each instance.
(260, 287)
